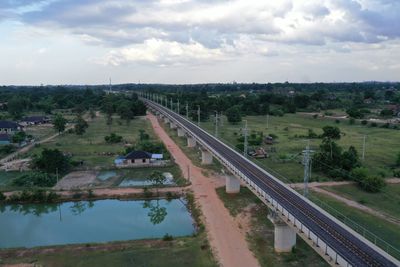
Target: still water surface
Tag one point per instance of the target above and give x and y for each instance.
(31, 225)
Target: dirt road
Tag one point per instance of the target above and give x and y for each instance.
(226, 239)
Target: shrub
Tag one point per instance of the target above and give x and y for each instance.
(374, 124)
(352, 121)
(2, 196)
(113, 138)
(364, 122)
(168, 237)
(91, 194)
(35, 179)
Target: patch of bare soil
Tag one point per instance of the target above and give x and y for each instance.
(77, 180)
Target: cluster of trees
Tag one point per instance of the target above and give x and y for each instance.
(336, 162)
(127, 107)
(51, 161)
(48, 99)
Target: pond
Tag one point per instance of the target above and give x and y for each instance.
(169, 180)
(105, 175)
(31, 225)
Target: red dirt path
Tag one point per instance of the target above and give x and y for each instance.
(226, 239)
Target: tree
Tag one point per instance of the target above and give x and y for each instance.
(368, 183)
(125, 111)
(233, 114)
(92, 114)
(81, 125)
(386, 113)
(59, 123)
(331, 132)
(16, 107)
(19, 137)
(350, 159)
(51, 161)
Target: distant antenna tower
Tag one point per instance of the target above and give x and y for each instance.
(110, 89)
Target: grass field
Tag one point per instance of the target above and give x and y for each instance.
(91, 147)
(381, 144)
(387, 201)
(189, 251)
(385, 230)
(261, 237)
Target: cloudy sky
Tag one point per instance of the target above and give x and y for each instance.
(198, 41)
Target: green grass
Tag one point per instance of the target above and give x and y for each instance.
(387, 201)
(91, 147)
(385, 230)
(381, 145)
(261, 236)
(191, 251)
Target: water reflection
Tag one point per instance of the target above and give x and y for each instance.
(35, 209)
(30, 225)
(157, 213)
(79, 207)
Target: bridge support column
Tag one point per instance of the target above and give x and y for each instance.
(172, 125)
(284, 235)
(232, 184)
(191, 142)
(206, 157)
(181, 132)
(166, 120)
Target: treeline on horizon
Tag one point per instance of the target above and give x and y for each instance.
(250, 99)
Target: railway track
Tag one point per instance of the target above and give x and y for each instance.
(347, 245)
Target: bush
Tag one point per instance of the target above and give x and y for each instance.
(371, 184)
(2, 196)
(35, 179)
(364, 122)
(113, 138)
(168, 237)
(352, 121)
(91, 194)
(374, 124)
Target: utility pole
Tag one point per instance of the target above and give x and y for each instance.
(187, 110)
(245, 148)
(221, 119)
(216, 124)
(363, 151)
(166, 102)
(178, 106)
(307, 167)
(267, 121)
(171, 104)
(198, 115)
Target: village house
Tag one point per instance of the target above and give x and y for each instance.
(138, 159)
(5, 139)
(35, 120)
(9, 127)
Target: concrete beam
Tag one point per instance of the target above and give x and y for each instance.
(206, 157)
(232, 184)
(191, 142)
(181, 132)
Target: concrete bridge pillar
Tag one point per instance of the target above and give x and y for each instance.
(206, 157)
(191, 142)
(181, 132)
(232, 184)
(172, 125)
(284, 235)
(166, 120)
